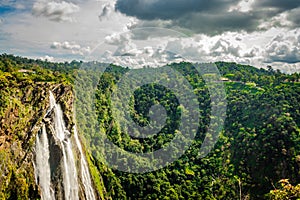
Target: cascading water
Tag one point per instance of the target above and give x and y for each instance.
(42, 166)
(69, 167)
(67, 163)
(85, 175)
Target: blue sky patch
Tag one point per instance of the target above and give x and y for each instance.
(6, 9)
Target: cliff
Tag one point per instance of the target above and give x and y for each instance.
(21, 116)
(25, 111)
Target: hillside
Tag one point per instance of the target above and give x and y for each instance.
(258, 146)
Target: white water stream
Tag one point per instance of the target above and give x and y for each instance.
(68, 165)
(42, 166)
(85, 174)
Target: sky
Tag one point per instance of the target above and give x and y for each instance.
(154, 32)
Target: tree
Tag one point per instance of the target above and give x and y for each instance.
(285, 191)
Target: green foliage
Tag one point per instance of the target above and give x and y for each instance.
(262, 122)
(258, 146)
(15, 183)
(285, 191)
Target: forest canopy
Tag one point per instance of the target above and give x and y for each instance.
(257, 154)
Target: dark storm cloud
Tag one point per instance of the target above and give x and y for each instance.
(281, 5)
(218, 23)
(169, 9)
(294, 17)
(208, 16)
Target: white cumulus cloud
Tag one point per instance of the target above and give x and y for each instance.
(71, 46)
(284, 48)
(55, 11)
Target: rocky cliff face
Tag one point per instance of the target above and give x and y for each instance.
(22, 115)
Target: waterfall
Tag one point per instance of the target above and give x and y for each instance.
(85, 175)
(42, 166)
(67, 166)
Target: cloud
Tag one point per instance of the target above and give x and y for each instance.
(223, 47)
(147, 56)
(279, 5)
(143, 30)
(243, 6)
(71, 46)
(169, 9)
(284, 48)
(254, 52)
(210, 17)
(124, 44)
(55, 11)
(24, 34)
(131, 24)
(228, 30)
(107, 10)
(202, 48)
(168, 49)
(127, 52)
(187, 48)
(47, 58)
(280, 20)
(294, 17)
(217, 23)
(117, 39)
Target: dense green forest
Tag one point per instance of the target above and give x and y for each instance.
(257, 155)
